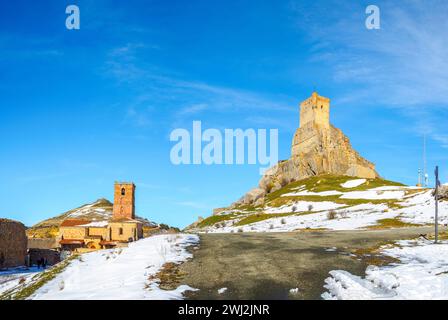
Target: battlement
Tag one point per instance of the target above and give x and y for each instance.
(315, 110)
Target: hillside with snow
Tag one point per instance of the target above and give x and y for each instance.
(115, 274)
(333, 203)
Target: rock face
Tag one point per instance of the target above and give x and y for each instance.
(443, 192)
(13, 244)
(317, 148)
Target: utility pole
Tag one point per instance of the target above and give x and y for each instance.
(436, 196)
(419, 184)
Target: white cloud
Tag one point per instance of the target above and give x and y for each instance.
(403, 65)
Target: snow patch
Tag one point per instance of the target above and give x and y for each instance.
(373, 195)
(222, 290)
(302, 206)
(353, 183)
(294, 291)
(422, 274)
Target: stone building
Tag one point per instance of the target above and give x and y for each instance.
(13, 244)
(79, 234)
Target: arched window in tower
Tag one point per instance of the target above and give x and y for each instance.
(123, 191)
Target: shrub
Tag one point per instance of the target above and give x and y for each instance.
(331, 215)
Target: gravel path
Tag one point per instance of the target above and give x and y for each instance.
(269, 265)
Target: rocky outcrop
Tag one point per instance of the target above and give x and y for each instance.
(13, 244)
(316, 151)
(317, 148)
(443, 192)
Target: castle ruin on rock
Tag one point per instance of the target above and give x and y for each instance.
(317, 148)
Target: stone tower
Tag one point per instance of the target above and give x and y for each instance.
(124, 201)
(315, 110)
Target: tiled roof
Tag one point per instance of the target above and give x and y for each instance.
(71, 241)
(110, 243)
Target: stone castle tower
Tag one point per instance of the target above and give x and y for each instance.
(315, 109)
(124, 201)
(320, 148)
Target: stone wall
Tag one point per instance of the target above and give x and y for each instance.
(52, 256)
(123, 231)
(13, 244)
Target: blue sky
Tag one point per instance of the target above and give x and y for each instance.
(82, 109)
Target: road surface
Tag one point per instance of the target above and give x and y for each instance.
(268, 265)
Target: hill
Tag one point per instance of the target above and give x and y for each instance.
(100, 210)
(330, 202)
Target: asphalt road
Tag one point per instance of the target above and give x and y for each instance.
(268, 265)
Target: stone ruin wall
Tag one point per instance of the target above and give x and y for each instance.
(13, 244)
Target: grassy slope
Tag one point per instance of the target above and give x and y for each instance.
(251, 214)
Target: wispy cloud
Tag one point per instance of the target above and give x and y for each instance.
(161, 91)
(403, 65)
(193, 109)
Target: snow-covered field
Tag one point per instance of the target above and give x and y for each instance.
(414, 206)
(11, 278)
(118, 273)
(421, 274)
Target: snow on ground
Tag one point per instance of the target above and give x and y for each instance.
(373, 195)
(303, 206)
(415, 206)
(419, 209)
(421, 274)
(120, 273)
(11, 278)
(294, 291)
(222, 290)
(311, 193)
(353, 183)
(351, 218)
(89, 209)
(97, 224)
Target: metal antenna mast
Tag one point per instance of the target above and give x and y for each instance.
(425, 173)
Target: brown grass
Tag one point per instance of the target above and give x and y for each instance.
(169, 277)
(392, 223)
